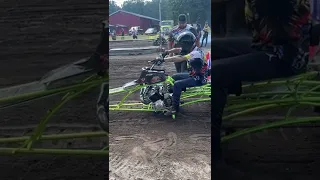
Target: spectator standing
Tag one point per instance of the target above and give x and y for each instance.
(134, 33)
(122, 32)
(206, 30)
(198, 27)
(174, 34)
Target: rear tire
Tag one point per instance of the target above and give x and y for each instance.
(157, 113)
(103, 116)
(156, 43)
(103, 107)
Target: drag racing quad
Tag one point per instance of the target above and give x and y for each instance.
(160, 39)
(155, 92)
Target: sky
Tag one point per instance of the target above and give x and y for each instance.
(119, 2)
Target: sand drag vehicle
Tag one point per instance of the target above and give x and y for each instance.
(155, 91)
(75, 79)
(160, 39)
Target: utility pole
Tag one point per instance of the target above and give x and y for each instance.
(188, 20)
(160, 24)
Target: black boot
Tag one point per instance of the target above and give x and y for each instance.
(175, 109)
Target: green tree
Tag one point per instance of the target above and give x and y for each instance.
(170, 9)
(152, 9)
(113, 7)
(134, 6)
(199, 9)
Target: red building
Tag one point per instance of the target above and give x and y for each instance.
(130, 19)
(118, 28)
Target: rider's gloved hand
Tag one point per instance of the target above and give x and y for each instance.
(165, 53)
(159, 61)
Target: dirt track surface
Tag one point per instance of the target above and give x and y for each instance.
(130, 44)
(36, 37)
(149, 147)
(143, 146)
(45, 39)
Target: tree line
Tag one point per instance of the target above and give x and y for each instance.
(170, 9)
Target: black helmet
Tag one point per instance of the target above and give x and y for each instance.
(186, 40)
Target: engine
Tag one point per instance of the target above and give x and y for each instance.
(158, 96)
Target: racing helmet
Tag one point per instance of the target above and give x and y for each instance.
(186, 40)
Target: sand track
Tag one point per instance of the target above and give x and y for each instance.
(144, 146)
(137, 138)
(36, 37)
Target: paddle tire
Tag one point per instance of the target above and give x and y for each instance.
(102, 106)
(103, 115)
(158, 40)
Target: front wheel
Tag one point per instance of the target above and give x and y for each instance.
(164, 41)
(103, 117)
(103, 107)
(156, 43)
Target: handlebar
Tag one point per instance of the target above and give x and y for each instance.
(154, 62)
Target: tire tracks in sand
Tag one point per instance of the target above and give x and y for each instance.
(151, 159)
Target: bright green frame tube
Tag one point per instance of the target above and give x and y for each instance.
(70, 92)
(302, 90)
